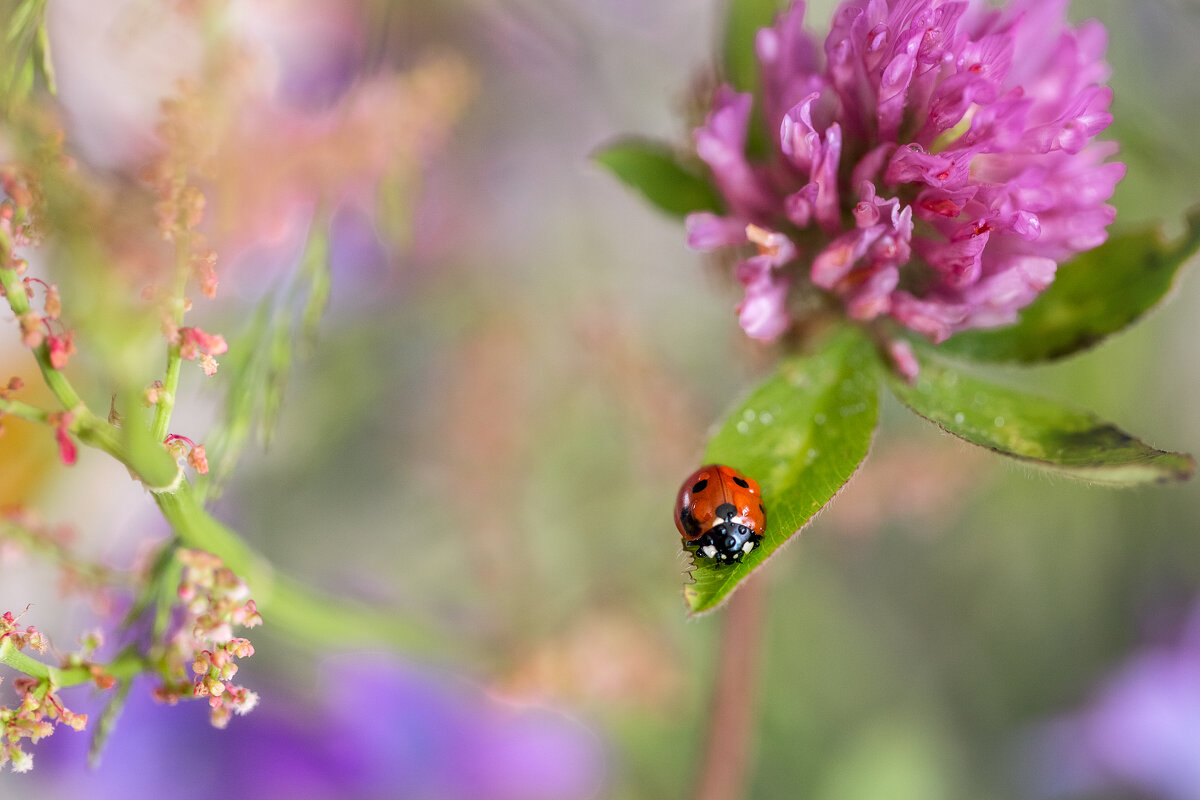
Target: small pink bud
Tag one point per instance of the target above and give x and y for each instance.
(53, 302)
(220, 717)
(153, 394)
(31, 329)
(904, 360)
(66, 448)
(176, 446)
(36, 640)
(61, 347)
(197, 459)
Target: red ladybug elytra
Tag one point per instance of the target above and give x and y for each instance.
(720, 514)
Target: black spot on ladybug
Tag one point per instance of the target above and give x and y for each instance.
(740, 482)
(700, 486)
(762, 508)
(726, 510)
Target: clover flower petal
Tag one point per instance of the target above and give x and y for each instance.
(932, 161)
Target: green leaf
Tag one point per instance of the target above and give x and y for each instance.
(1040, 432)
(742, 23)
(801, 434)
(1097, 294)
(654, 169)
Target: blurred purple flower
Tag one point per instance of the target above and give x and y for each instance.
(1142, 731)
(382, 730)
(936, 164)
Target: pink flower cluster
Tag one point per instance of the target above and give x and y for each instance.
(934, 161)
(215, 600)
(35, 717)
(196, 344)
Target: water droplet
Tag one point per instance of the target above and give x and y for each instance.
(819, 419)
(998, 422)
(812, 454)
(960, 418)
(850, 411)
(766, 418)
(748, 415)
(743, 427)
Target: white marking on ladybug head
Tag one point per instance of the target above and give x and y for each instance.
(709, 551)
(747, 547)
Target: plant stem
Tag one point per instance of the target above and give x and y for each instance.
(729, 740)
(166, 402)
(309, 617)
(18, 301)
(312, 618)
(123, 667)
(23, 410)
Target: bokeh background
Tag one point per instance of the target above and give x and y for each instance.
(518, 366)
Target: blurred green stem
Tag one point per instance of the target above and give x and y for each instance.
(725, 764)
(306, 615)
(23, 410)
(18, 301)
(123, 667)
(166, 399)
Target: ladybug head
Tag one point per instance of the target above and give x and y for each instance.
(727, 542)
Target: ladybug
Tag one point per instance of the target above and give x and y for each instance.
(720, 514)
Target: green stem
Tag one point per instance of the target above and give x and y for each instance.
(21, 662)
(166, 401)
(125, 666)
(18, 301)
(313, 618)
(307, 616)
(23, 410)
